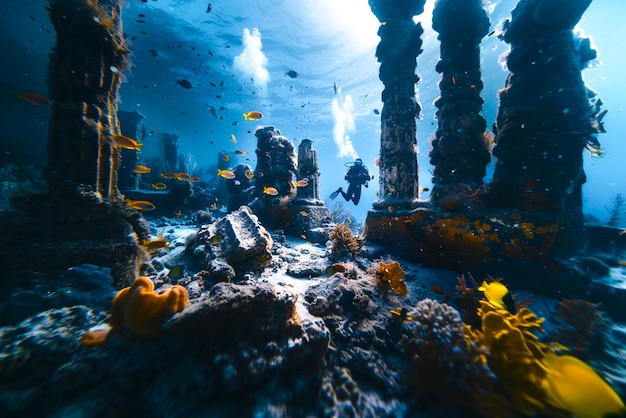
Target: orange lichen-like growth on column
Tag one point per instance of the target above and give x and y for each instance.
(142, 311)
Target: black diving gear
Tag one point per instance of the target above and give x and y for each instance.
(357, 176)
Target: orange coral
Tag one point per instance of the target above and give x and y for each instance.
(390, 276)
(143, 311)
(94, 337)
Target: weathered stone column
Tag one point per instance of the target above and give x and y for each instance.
(460, 150)
(308, 169)
(399, 46)
(85, 72)
(545, 118)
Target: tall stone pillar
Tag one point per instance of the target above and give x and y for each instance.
(399, 46)
(545, 118)
(85, 72)
(460, 150)
(308, 169)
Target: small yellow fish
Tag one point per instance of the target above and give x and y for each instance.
(401, 313)
(301, 183)
(176, 272)
(214, 206)
(227, 174)
(254, 115)
(182, 176)
(35, 98)
(240, 152)
(121, 141)
(155, 244)
(226, 157)
(272, 191)
(249, 174)
(158, 186)
(194, 179)
(233, 139)
(142, 205)
(304, 213)
(179, 213)
(168, 175)
(215, 240)
(141, 169)
(499, 295)
(453, 80)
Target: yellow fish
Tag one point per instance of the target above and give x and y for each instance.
(121, 141)
(182, 176)
(35, 98)
(158, 186)
(168, 175)
(249, 174)
(270, 190)
(226, 157)
(254, 115)
(140, 205)
(301, 183)
(194, 179)
(227, 174)
(141, 169)
(499, 295)
(240, 152)
(155, 244)
(575, 387)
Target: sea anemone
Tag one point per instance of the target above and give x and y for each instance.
(344, 242)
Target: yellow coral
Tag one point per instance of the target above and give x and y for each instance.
(143, 311)
(390, 276)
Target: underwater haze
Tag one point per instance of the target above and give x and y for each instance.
(308, 66)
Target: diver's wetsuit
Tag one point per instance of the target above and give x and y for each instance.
(357, 176)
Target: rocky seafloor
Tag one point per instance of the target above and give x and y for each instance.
(288, 339)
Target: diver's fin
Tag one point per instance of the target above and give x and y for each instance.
(334, 194)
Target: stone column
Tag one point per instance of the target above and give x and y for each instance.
(85, 71)
(130, 126)
(399, 46)
(308, 168)
(545, 118)
(460, 150)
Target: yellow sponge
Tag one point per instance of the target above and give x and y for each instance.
(141, 310)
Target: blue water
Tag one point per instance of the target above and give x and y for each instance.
(324, 42)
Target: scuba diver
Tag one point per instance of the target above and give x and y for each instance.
(357, 176)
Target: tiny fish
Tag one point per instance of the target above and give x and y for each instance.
(35, 98)
(233, 139)
(401, 313)
(272, 191)
(376, 112)
(179, 213)
(240, 152)
(304, 213)
(140, 205)
(254, 115)
(141, 169)
(226, 157)
(121, 141)
(292, 74)
(436, 289)
(249, 174)
(182, 176)
(425, 189)
(301, 183)
(215, 239)
(194, 179)
(158, 186)
(155, 244)
(177, 271)
(168, 175)
(184, 83)
(227, 174)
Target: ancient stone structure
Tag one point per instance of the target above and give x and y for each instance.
(460, 150)
(399, 45)
(311, 216)
(545, 119)
(530, 217)
(82, 215)
(170, 150)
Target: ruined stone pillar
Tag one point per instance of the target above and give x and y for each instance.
(545, 118)
(130, 126)
(85, 72)
(308, 168)
(399, 46)
(460, 150)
